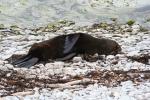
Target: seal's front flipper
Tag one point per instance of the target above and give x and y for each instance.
(70, 41)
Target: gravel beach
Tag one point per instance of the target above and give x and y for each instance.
(124, 76)
(121, 77)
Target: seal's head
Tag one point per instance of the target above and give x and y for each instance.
(110, 47)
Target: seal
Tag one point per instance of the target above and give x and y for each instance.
(65, 47)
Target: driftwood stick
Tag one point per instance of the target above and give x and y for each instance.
(71, 84)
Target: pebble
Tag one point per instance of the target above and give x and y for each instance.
(9, 66)
(2, 62)
(136, 27)
(110, 57)
(3, 68)
(77, 59)
(67, 28)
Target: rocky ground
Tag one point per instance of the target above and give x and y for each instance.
(123, 76)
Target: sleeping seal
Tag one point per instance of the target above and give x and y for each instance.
(65, 47)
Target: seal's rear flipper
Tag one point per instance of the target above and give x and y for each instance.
(22, 59)
(28, 63)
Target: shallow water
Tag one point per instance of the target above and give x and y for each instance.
(34, 13)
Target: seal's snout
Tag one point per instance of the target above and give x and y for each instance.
(116, 49)
(119, 49)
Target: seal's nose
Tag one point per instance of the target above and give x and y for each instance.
(117, 50)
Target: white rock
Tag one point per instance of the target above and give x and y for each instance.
(8, 74)
(77, 59)
(110, 57)
(148, 61)
(58, 64)
(9, 66)
(48, 65)
(2, 62)
(135, 27)
(133, 53)
(67, 28)
(11, 98)
(120, 55)
(3, 68)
